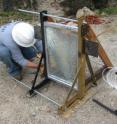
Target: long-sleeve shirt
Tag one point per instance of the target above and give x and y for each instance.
(7, 40)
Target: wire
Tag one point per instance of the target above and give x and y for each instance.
(111, 76)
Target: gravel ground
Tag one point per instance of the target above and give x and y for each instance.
(17, 108)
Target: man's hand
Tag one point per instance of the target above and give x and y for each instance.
(31, 65)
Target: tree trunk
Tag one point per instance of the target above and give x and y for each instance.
(7, 5)
(1, 5)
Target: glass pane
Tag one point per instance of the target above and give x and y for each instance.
(61, 51)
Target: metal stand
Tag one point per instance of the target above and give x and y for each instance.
(83, 84)
(41, 84)
(43, 57)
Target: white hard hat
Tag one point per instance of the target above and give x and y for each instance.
(23, 34)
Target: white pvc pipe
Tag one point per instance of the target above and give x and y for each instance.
(37, 13)
(30, 12)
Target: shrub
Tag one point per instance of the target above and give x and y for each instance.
(70, 7)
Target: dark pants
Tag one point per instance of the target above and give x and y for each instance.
(6, 58)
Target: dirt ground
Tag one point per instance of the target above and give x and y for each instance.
(17, 108)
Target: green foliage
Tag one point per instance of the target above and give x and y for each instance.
(109, 10)
(15, 15)
(6, 17)
(71, 6)
(99, 4)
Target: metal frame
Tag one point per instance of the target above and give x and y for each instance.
(80, 75)
(83, 84)
(51, 76)
(43, 17)
(46, 79)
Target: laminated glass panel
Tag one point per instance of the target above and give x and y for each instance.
(61, 45)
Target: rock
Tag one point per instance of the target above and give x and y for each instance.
(103, 14)
(33, 114)
(84, 12)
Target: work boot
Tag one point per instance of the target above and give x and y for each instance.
(18, 77)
